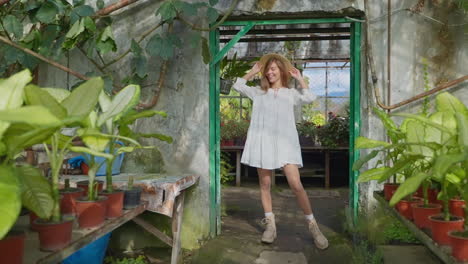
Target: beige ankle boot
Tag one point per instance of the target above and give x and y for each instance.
(270, 229)
(320, 240)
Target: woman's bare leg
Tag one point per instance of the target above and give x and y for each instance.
(294, 180)
(264, 177)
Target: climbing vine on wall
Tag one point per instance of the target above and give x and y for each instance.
(48, 30)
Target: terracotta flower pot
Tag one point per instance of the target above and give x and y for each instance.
(54, 236)
(12, 248)
(457, 207)
(84, 185)
(459, 242)
(91, 213)
(440, 228)
(405, 209)
(389, 190)
(421, 214)
(114, 203)
(67, 205)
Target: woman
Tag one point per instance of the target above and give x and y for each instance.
(272, 140)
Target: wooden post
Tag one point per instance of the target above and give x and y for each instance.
(238, 168)
(176, 227)
(327, 169)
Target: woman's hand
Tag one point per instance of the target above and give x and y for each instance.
(296, 74)
(255, 69)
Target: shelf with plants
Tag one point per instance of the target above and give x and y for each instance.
(427, 149)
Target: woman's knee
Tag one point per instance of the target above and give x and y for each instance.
(296, 187)
(265, 183)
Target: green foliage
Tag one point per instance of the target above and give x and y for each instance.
(231, 69)
(426, 147)
(307, 129)
(225, 168)
(334, 133)
(138, 260)
(10, 204)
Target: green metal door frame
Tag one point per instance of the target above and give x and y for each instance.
(215, 185)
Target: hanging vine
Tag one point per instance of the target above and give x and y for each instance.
(47, 30)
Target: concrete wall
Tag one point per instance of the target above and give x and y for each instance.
(186, 100)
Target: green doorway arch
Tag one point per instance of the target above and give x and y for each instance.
(214, 136)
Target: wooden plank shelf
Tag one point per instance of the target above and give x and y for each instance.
(80, 237)
(443, 252)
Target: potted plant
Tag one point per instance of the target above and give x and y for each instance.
(307, 133)
(55, 232)
(67, 204)
(230, 70)
(226, 133)
(335, 132)
(132, 195)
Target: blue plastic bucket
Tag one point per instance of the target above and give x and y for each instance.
(93, 253)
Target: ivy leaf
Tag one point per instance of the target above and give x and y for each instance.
(46, 13)
(213, 2)
(175, 40)
(140, 66)
(13, 25)
(205, 51)
(106, 42)
(194, 39)
(100, 4)
(153, 47)
(89, 24)
(135, 47)
(83, 10)
(187, 9)
(167, 49)
(212, 14)
(167, 11)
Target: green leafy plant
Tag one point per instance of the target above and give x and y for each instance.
(432, 148)
(335, 132)
(138, 260)
(225, 168)
(234, 68)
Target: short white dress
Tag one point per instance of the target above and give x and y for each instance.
(272, 139)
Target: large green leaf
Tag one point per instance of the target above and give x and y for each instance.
(83, 99)
(93, 139)
(36, 192)
(358, 163)
(409, 186)
(448, 102)
(17, 139)
(91, 152)
(444, 163)
(364, 143)
(58, 93)
(390, 126)
(426, 121)
(161, 137)
(462, 121)
(372, 174)
(33, 115)
(36, 96)
(415, 133)
(445, 119)
(12, 89)
(122, 102)
(106, 42)
(133, 115)
(167, 11)
(402, 164)
(10, 203)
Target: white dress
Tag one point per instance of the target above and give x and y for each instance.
(272, 139)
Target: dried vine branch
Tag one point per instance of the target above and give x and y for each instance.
(113, 7)
(44, 59)
(160, 84)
